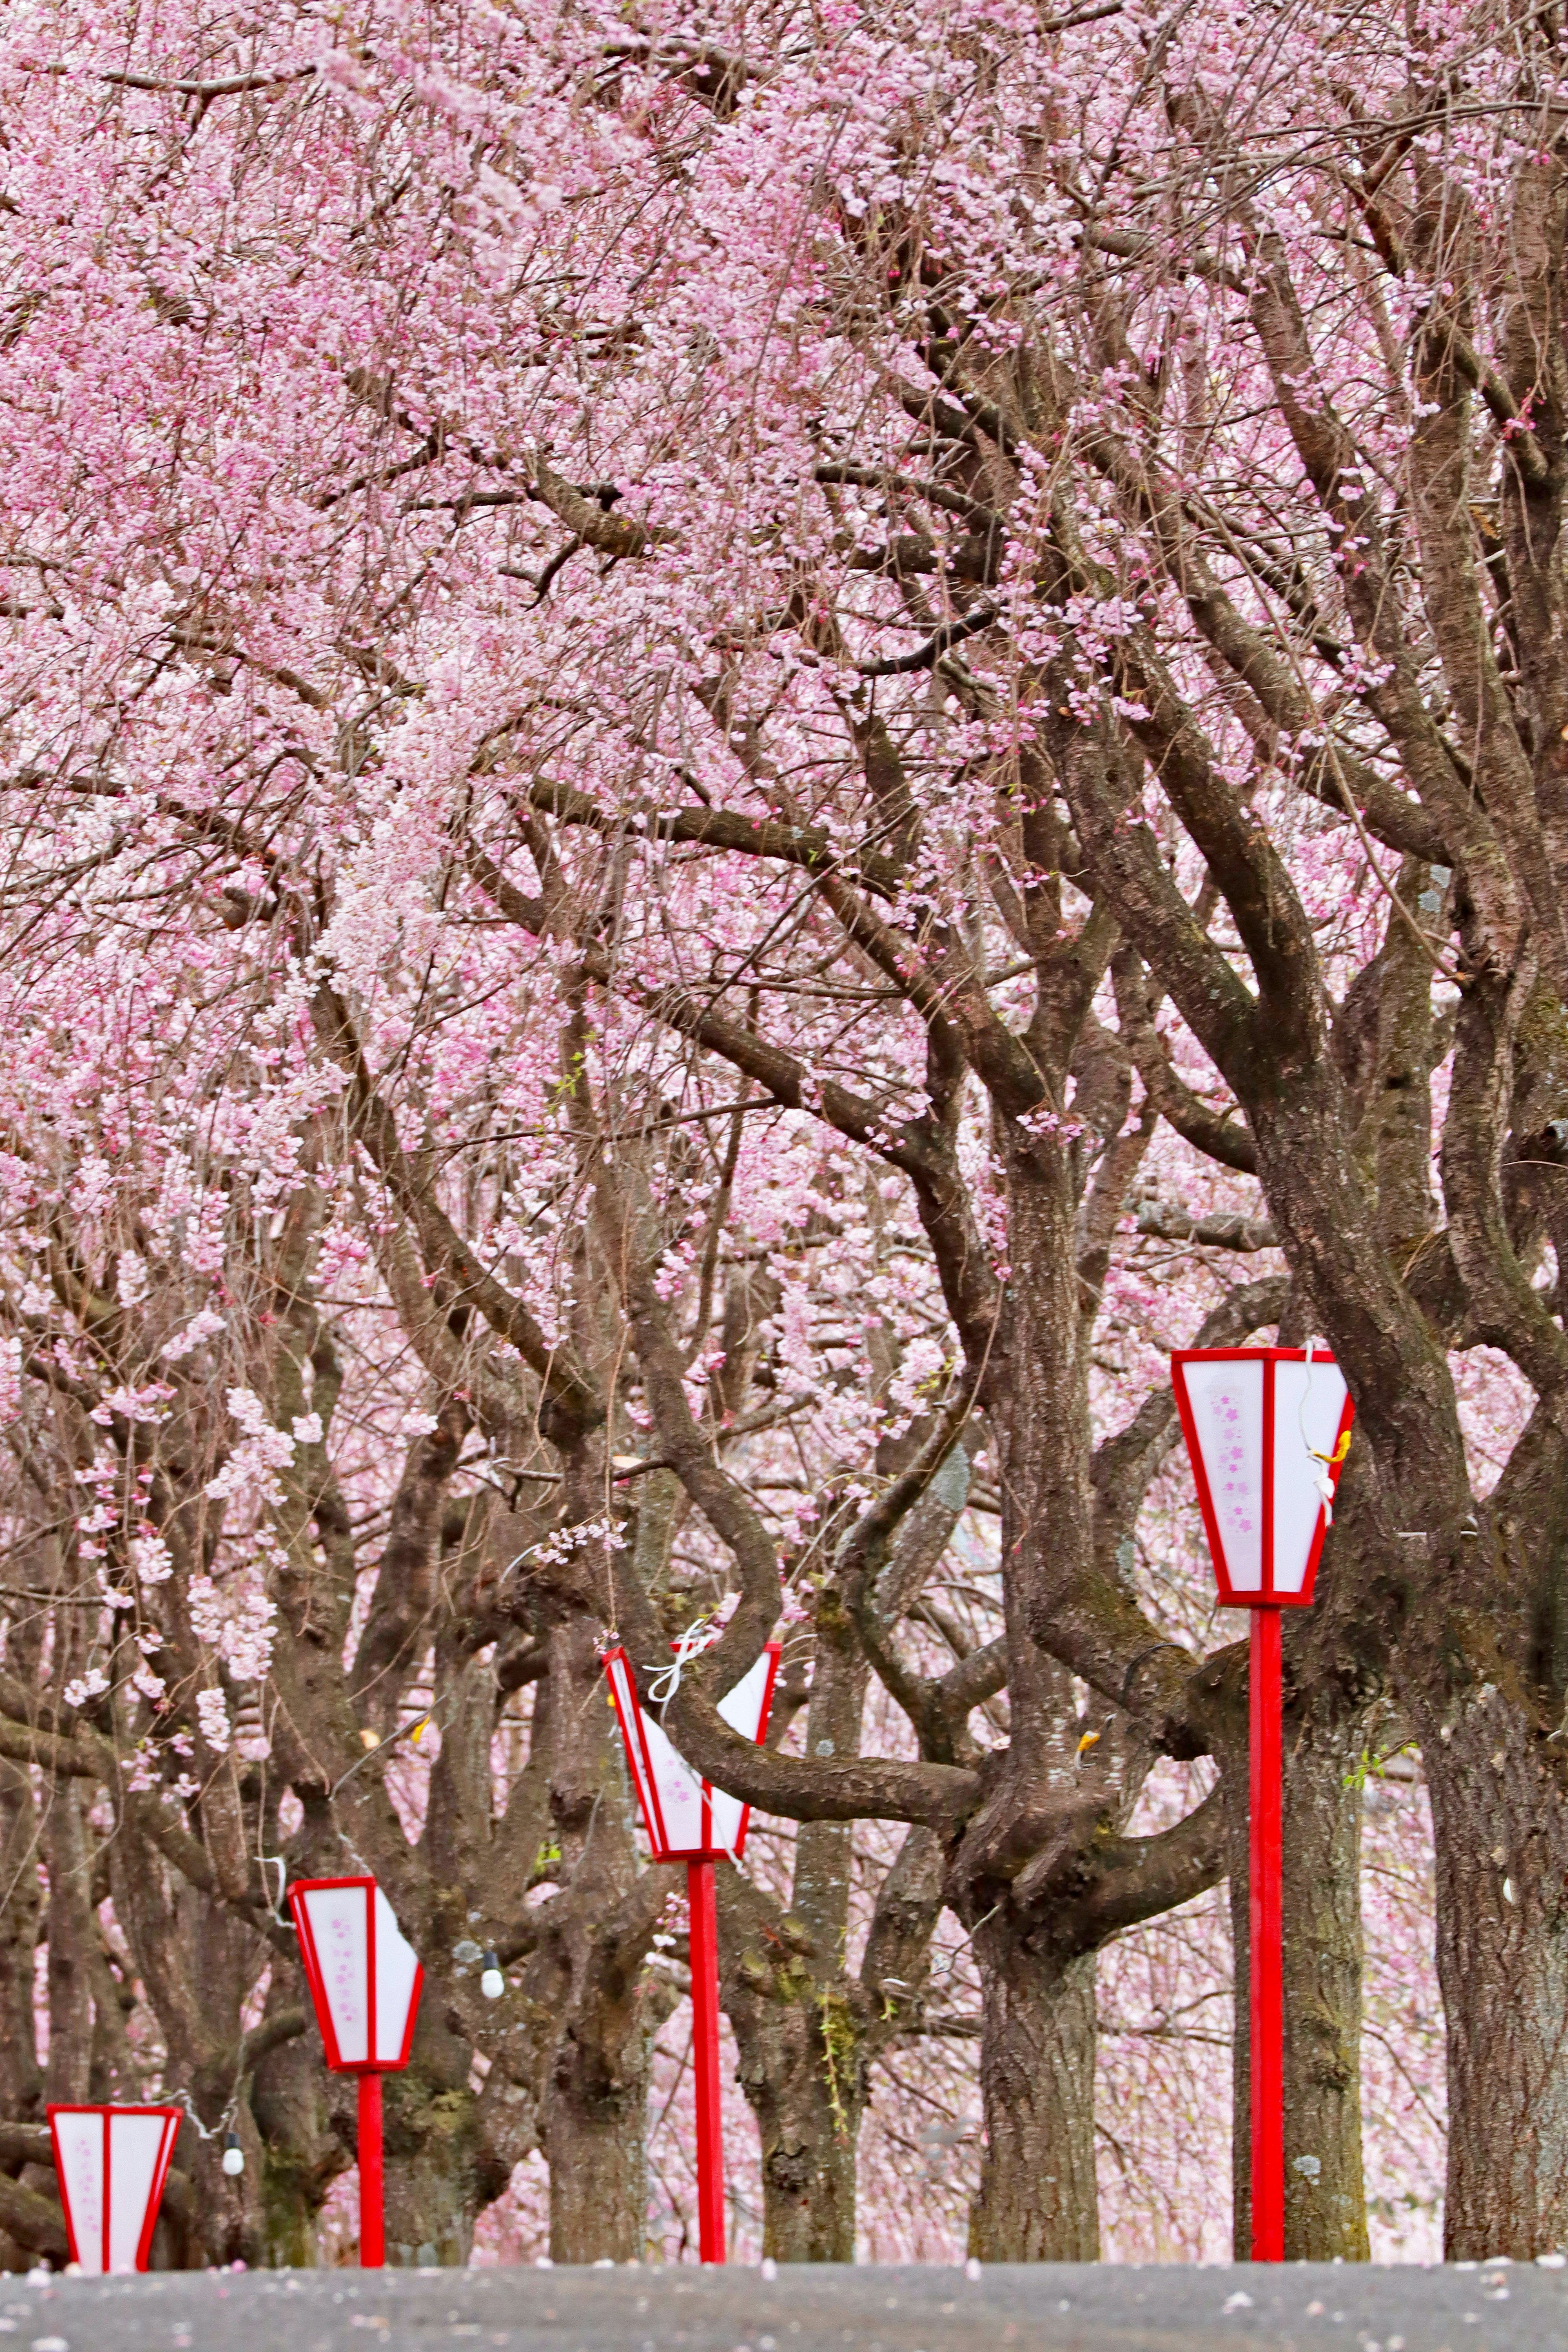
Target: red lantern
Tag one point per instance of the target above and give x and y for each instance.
(1268, 1430)
(687, 1819)
(364, 1979)
(111, 2164)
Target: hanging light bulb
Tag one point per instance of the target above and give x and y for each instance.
(233, 2156)
(492, 1984)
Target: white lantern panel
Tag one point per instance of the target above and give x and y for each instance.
(1226, 1402)
(742, 1709)
(1308, 1405)
(111, 2165)
(339, 1920)
(679, 1791)
(135, 2146)
(79, 2152)
(624, 1689)
(396, 1971)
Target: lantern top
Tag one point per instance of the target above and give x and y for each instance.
(363, 1974)
(687, 1819)
(112, 2163)
(1266, 1430)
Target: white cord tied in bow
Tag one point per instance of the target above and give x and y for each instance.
(698, 1636)
(667, 1682)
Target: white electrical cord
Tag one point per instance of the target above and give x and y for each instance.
(233, 2154)
(1326, 1462)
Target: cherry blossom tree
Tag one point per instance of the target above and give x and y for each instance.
(736, 756)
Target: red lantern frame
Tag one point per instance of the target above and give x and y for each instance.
(633, 1721)
(1264, 1594)
(171, 2119)
(1263, 1599)
(371, 2067)
(314, 1977)
(645, 1767)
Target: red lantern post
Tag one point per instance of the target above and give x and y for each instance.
(687, 1819)
(111, 2164)
(1266, 1429)
(364, 1979)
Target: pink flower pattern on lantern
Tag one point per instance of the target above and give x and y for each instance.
(82, 2146)
(1227, 1407)
(343, 1969)
(1237, 1496)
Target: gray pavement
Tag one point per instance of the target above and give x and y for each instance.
(1488, 2307)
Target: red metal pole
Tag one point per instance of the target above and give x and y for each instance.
(372, 2210)
(1264, 1910)
(705, 2060)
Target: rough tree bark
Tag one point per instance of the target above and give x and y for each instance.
(799, 2025)
(72, 1933)
(21, 2077)
(1500, 1821)
(594, 2117)
(1036, 2200)
(803, 2069)
(286, 2131)
(808, 2034)
(1325, 2209)
(431, 2200)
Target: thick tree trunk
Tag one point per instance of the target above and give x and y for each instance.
(799, 2019)
(431, 2200)
(809, 2112)
(72, 1933)
(596, 2126)
(21, 2077)
(204, 1981)
(1325, 2204)
(807, 2032)
(1501, 1832)
(595, 2112)
(297, 2153)
(803, 2070)
(1325, 2194)
(1037, 2200)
